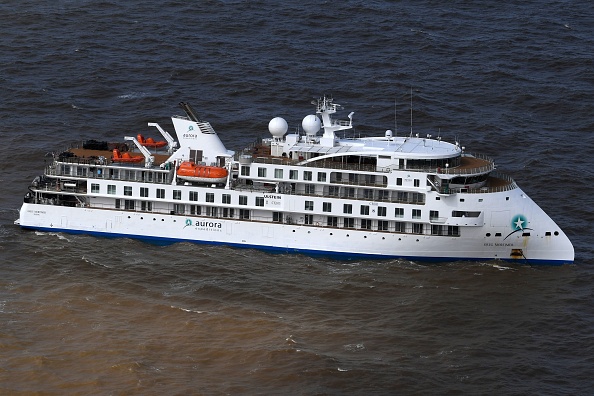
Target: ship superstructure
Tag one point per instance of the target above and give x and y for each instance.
(415, 197)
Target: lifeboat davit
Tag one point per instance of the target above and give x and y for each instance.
(188, 170)
(126, 157)
(150, 142)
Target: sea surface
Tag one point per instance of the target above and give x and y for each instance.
(84, 315)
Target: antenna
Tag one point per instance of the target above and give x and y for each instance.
(411, 113)
(395, 117)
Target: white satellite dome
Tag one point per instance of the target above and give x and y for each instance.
(278, 127)
(311, 124)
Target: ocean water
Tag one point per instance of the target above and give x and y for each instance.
(85, 315)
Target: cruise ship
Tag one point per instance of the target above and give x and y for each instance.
(316, 190)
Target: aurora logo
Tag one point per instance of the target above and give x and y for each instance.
(518, 223)
(203, 224)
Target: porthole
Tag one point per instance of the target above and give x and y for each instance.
(556, 233)
(488, 234)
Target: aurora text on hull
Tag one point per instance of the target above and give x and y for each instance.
(313, 192)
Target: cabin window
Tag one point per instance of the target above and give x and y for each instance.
(399, 212)
(128, 190)
(436, 229)
(277, 217)
(111, 189)
(214, 212)
(310, 189)
(455, 231)
(177, 194)
(382, 211)
(209, 197)
(226, 199)
(196, 155)
(399, 226)
(129, 204)
(460, 213)
(383, 195)
(195, 210)
(144, 191)
(418, 198)
(309, 205)
(307, 175)
(399, 181)
(309, 219)
(243, 200)
(327, 207)
(146, 206)
(245, 171)
(261, 172)
(161, 193)
(382, 225)
(433, 215)
(416, 214)
(348, 222)
(333, 191)
(179, 208)
(364, 209)
(321, 176)
(366, 224)
(228, 212)
(259, 201)
(417, 182)
(367, 193)
(193, 195)
(94, 188)
(278, 173)
(417, 228)
(347, 208)
(332, 221)
(293, 174)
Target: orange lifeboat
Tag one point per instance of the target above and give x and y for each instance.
(150, 142)
(188, 170)
(126, 157)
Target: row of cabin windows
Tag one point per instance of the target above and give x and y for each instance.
(277, 217)
(309, 205)
(322, 177)
(364, 210)
(113, 173)
(402, 196)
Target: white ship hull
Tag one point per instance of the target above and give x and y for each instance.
(334, 242)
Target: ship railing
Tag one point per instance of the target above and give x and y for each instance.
(53, 170)
(505, 183)
(408, 197)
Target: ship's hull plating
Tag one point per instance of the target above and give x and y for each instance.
(314, 240)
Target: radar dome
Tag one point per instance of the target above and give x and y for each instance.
(278, 127)
(311, 124)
